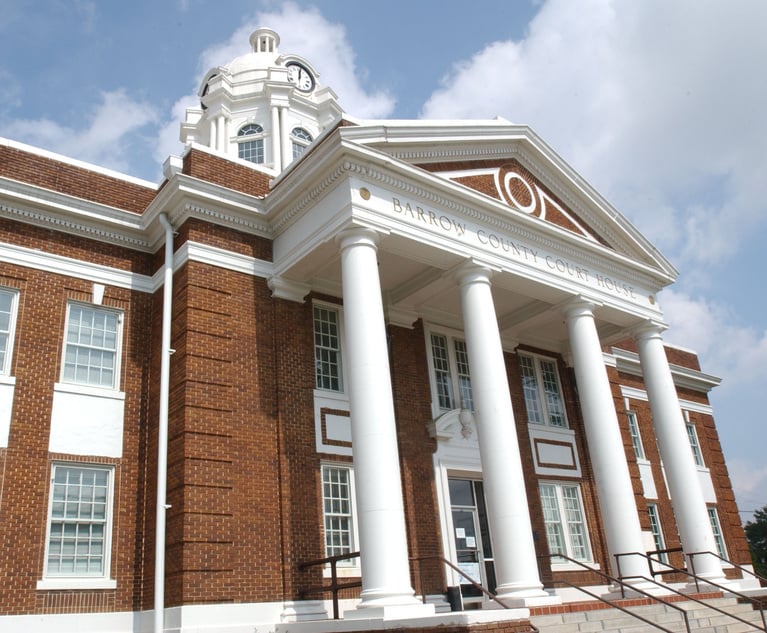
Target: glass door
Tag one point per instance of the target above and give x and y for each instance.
(471, 536)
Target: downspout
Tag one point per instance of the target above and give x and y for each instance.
(162, 431)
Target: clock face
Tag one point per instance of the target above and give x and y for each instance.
(300, 77)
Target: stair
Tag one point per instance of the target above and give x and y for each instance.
(593, 617)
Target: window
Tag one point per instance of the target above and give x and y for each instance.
(636, 439)
(251, 143)
(692, 435)
(450, 370)
(91, 346)
(327, 349)
(300, 139)
(337, 509)
(543, 395)
(716, 528)
(8, 302)
(79, 522)
(563, 516)
(657, 533)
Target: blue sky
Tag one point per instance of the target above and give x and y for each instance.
(660, 105)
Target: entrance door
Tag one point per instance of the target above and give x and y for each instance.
(471, 535)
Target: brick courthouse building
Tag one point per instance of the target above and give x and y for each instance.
(320, 335)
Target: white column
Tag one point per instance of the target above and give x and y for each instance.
(276, 142)
(678, 462)
(380, 509)
(516, 565)
(287, 150)
(222, 133)
(608, 457)
(213, 144)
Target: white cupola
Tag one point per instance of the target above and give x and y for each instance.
(262, 107)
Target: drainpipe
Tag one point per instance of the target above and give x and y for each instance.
(162, 431)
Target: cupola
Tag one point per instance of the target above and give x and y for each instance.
(263, 107)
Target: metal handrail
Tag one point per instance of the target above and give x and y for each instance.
(472, 582)
(623, 587)
(761, 579)
(334, 585)
(697, 579)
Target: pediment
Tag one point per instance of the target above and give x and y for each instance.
(513, 166)
(511, 183)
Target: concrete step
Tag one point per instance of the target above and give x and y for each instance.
(702, 618)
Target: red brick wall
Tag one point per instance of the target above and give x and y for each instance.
(27, 463)
(74, 181)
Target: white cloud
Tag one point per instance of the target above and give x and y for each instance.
(656, 103)
(726, 348)
(105, 140)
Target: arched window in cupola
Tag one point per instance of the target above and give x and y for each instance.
(250, 143)
(300, 139)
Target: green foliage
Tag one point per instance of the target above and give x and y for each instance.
(756, 534)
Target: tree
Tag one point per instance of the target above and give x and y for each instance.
(756, 534)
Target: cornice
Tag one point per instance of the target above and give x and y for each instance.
(484, 210)
(684, 377)
(45, 208)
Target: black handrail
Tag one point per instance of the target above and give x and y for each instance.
(334, 585)
(623, 586)
(697, 580)
(472, 582)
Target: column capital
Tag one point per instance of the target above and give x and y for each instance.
(579, 306)
(471, 272)
(649, 329)
(286, 289)
(358, 236)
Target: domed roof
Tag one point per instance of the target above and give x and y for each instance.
(264, 43)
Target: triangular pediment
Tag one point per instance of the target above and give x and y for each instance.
(514, 167)
(511, 183)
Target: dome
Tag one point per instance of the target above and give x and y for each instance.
(264, 44)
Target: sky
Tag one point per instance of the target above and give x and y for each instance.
(659, 105)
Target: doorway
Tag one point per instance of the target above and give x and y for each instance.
(471, 536)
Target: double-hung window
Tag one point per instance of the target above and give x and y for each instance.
(542, 391)
(327, 349)
(692, 435)
(79, 523)
(451, 379)
(716, 528)
(636, 439)
(564, 519)
(338, 509)
(8, 307)
(657, 533)
(92, 346)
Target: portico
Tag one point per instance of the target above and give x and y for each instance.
(397, 244)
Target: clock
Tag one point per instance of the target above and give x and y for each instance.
(300, 76)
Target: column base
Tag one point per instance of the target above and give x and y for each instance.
(390, 611)
(521, 598)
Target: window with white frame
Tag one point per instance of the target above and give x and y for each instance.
(564, 520)
(92, 346)
(542, 391)
(79, 522)
(451, 378)
(8, 307)
(657, 533)
(327, 349)
(692, 435)
(338, 509)
(250, 143)
(716, 528)
(300, 140)
(636, 439)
